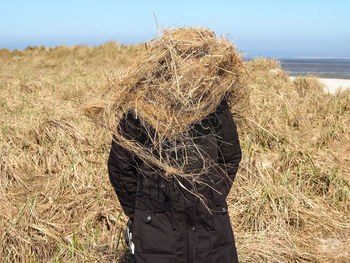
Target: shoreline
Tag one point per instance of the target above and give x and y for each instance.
(331, 85)
(323, 76)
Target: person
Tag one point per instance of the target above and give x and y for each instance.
(176, 220)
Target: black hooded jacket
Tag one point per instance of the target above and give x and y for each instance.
(171, 224)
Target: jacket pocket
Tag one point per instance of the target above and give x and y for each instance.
(154, 230)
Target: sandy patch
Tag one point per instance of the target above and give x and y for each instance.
(332, 85)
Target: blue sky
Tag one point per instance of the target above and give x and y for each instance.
(258, 28)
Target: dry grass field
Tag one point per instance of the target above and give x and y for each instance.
(289, 202)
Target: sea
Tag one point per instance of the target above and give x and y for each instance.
(338, 68)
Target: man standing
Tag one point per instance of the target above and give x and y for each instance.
(175, 150)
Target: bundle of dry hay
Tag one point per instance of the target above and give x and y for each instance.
(180, 80)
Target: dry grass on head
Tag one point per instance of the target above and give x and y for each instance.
(179, 80)
(289, 203)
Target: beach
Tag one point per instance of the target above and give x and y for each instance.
(332, 72)
(332, 85)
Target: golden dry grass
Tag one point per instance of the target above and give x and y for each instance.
(289, 202)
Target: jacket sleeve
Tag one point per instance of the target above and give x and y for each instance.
(122, 170)
(229, 151)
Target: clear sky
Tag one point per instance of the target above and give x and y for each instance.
(258, 27)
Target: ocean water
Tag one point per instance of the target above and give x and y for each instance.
(321, 67)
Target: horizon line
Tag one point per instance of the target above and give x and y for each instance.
(248, 54)
(322, 57)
